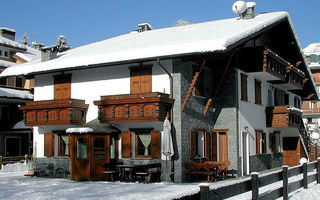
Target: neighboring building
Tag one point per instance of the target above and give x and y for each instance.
(232, 87)
(15, 137)
(311, 109)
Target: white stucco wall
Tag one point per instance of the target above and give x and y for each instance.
(90, 84)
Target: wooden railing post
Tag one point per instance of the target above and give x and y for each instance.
(285, 182)
(318, 170)
(255, 185)
(305, 175)
(204, 191)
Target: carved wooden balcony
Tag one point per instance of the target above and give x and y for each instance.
(294, 78)
(274, 65)
(134, 107)
(283, 116)
(55, 112)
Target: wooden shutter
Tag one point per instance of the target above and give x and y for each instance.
(140, 80)
(48, 144)
(258, 133)
(207, 147)
(155, 144)
(257, 87)
(244, 92)
(126, 143)
(264, 143)
(214, 146)
(146, 80)
(223, 146)
(193, 144)
(62, 87)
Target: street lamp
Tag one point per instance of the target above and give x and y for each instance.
(315, 136)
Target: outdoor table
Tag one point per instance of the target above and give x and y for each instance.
(131, 167)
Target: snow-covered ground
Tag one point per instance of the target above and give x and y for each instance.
(14, 185)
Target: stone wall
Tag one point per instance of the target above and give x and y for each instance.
(53, 167)
(222, 115)
(262, 162)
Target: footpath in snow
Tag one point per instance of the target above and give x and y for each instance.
(14, 185)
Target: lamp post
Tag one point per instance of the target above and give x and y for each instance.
(315, 136)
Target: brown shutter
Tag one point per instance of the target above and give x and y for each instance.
(223, 146)
(264, 143)
(155, 144)
(207, 152)
(214, 146)
(62, 87)
(135, 81)
(257, 86)
(146, 81)
(193, 144)
(126, 142)
(48, 144)
(257, 142)
(244, 92)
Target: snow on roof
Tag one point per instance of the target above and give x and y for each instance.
(4, 63)
(14, 93)
(313, 48)
(173, 41)
(7, 29)
(12, 43)
(30, 54)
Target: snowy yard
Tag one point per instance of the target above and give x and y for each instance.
(14, 185)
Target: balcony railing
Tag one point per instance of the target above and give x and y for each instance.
(274, 64)
(311, 111)
(283, 116)
(295, 77)
(134, 107)
(55, 112)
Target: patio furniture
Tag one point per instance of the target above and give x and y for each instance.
(198, 170)
(149, 172)
(111, 172)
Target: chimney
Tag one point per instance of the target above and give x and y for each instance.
(49, 53)
(8, 33)
(144, 27)
(249, 12)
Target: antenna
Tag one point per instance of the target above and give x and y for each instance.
(239, 7)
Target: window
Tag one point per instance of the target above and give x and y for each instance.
(297, 102)
(62, 86)
(143, 145)
(99, 151)
(140, 79)
(63, 142)
(314, 58)
(3, 81)
(19, 82)
(0, 52)
(244, 92)
(257, 89)
(279, 97)
(82, 148)
(274, 142)
(6, 54)
(260, 142)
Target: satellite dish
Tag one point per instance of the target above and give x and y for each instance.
(239, 7)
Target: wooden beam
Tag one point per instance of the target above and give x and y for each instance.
(191, 86)
(310, 96)
(305, 80)
(209, 102)
(298, 63)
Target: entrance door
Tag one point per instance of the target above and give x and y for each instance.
(291, 151)
(80, 169)
(100, 155)
(244, 153)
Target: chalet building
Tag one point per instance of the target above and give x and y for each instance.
(15, 137)
(233, 89)
(311, 108)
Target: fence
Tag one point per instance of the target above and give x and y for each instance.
(257, 182)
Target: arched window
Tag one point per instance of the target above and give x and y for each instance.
(99, 148)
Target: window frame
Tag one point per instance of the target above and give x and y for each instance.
(137, 144)
(59, 145)
(261, 142)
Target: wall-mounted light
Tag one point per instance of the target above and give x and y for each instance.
(246, 128)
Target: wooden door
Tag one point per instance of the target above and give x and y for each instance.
(62, 87)
(100, 155)
(291, 151)
(80, 158)
(223, 146)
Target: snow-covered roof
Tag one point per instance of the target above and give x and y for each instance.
(14, 93)
(4, 63)
(313, 48)
(167, 42)
(30, 54)
(12, 43)
(7, 29)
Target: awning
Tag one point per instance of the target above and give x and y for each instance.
(93, 126)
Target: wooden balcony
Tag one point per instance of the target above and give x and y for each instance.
(55, 112)
(134, 107)
(274, 65)
(311, 111)
(283, 116)
(294, 78)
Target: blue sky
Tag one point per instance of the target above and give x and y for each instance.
(84, 22)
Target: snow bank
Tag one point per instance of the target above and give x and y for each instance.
(15, 168)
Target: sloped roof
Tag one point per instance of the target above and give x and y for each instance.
(15, 93)
(313, 48)
(30, 54)
(12, 43)
(167, 42)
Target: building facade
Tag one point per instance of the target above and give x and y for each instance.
(230, 98)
